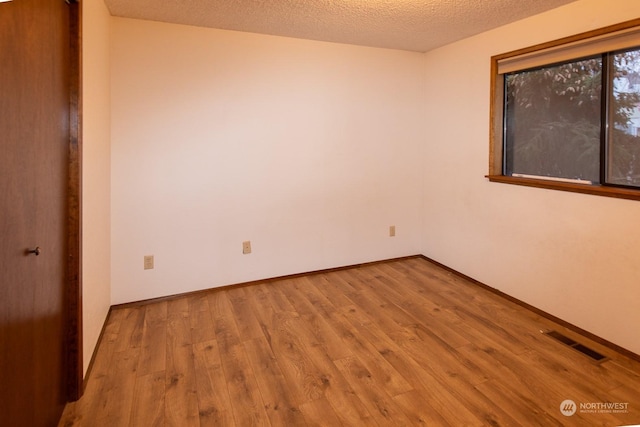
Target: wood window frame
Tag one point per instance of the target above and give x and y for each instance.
(496, 120)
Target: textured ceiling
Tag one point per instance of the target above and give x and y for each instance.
(417, 25)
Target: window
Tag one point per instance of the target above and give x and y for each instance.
(565, 115)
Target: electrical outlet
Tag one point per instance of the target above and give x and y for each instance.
(246, 247)
(392, 231)
(148, 262)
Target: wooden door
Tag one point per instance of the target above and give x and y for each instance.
(35, 81)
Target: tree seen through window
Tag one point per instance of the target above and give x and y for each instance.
(554, 119)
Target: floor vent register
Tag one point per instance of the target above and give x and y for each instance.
(589, 352)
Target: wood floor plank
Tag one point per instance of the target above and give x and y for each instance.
(130, 329)
(621, 364)
(418, 305)
(621, 373)
(419, 411)
(441, 396)
(118, 371)
(148, 400)
(423, 327)
(417, 340)
(71, 416)
(339, 284)
(628, 395)
(246, 402)
(324, 335)
(307, 381)
(570, 382)
(178, 306)
(320, 413)
(380, 369)
(198, 302)
(379, 404)
(315, 372)
(521, 407)
(281, 406)
(77, 413)
(334, 292)
(244, 314)
(397, 343)
(200, 320)
(214, 402)
(264, 312)
(441, 361)
(304, 379)
(201, 326)
(181, 402)
(155, 313)
(511, 371)
(579, 368)
(271, 297)
(459, 307)
(154, 340)
(114, 406)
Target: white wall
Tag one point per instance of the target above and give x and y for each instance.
(574, 256)
(96, 251)
(308, 149)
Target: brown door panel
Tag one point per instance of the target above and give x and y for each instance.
(34, 142)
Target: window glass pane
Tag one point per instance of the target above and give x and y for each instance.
(623, 164)
(552, 121)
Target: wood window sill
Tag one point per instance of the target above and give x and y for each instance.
(598, 190)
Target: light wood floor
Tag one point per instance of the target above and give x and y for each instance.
(397, 343)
